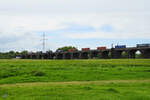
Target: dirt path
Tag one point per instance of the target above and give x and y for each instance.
(75, 83)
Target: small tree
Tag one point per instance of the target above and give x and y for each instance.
(66, 48)
(11, 54)
(24, 52)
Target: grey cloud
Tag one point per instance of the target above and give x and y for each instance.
(26, 40)
(21, 19)
(74, 6)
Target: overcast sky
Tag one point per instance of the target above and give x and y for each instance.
(80, 23)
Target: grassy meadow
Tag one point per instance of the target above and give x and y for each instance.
(117, 79)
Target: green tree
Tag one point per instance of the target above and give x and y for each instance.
(24, 52)
(11, 54)
(66, 48)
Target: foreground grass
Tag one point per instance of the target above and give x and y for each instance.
(94, 90)
(117, 79)
(20, 71)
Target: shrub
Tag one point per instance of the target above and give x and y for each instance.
(113, 90)
(37, 73)
(87, 88)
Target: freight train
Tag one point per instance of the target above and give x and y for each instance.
(88, 53)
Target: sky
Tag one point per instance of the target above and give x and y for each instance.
(79, 23)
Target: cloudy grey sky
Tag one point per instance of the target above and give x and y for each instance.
(81, 23)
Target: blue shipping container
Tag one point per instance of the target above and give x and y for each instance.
(120, 46)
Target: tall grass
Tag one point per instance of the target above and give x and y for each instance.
(117, 79)
(20, 71)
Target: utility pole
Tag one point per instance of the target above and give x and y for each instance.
(43, 44)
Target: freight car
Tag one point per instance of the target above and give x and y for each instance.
(101, 48)
(120, 46)
(85, 49)
(72, 50)
(142, 45)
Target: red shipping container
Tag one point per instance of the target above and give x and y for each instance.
(85, 49)
(71, 50)
(101, 48)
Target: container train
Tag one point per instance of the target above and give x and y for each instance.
(116, 47)
(86, 52)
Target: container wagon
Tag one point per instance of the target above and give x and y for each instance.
(120, 46)
(72, 50)
(85, 49)
(142, 45)
(101, 48)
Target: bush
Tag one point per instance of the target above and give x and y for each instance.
(113, 90)
(37, 73)
(5, 73)
(87, 88)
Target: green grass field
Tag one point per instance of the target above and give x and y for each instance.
(117, 79)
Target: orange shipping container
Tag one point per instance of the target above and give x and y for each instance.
(85, 49)
(101, 48)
